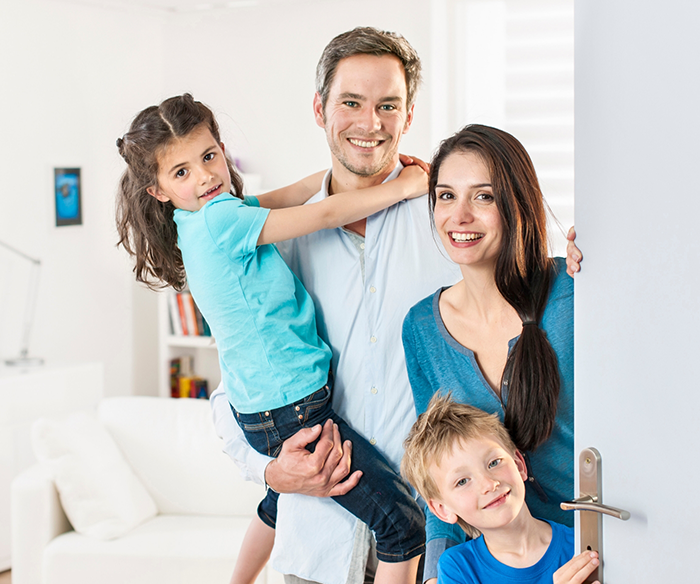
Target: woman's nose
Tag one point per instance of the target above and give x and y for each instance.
(463, 212)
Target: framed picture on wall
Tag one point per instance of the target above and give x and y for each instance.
(67, 194)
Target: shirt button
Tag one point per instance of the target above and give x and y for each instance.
(372, 289)
(297, 408)
(373, 339)
(267, 413)
(362, 246)
(300, 416)
(372, 441)
(374, 390)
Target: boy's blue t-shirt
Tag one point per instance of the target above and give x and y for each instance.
(472, 562)
(261, 316)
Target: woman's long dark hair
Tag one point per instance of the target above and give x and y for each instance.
(523, 276)
(145, 225)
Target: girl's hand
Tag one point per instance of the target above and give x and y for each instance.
(577, 569)
(573, 254)
(407, 160)
(414, 181)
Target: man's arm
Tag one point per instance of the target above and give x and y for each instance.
(295, 470)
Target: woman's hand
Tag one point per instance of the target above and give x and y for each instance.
(414, 181)
(577, 569)
(573, 254)
(407, 160)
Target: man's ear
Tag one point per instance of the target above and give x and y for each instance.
(154, 192)
(409, 119)
(441, 511)
(318, 111)
(520, 464)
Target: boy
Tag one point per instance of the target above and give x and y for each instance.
(462, 461)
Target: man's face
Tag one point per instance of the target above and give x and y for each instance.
(365, 113)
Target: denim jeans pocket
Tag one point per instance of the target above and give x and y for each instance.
(260, 432)
(313, 404)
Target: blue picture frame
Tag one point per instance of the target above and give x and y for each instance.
(67, 196)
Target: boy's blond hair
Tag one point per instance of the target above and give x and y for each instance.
(434, 435)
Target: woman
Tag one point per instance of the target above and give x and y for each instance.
(501, 339)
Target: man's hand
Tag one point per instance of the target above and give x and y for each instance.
(577, 569)
(573, 254)
(318, 473)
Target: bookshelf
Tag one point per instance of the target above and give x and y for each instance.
(201, 349)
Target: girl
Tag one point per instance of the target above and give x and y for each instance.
(180, 209)
(502, 338)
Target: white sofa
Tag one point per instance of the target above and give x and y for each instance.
(203, 506)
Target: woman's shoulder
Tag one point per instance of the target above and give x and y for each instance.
(421, 310)
(563, 284)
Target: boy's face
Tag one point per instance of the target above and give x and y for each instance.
(481, 483)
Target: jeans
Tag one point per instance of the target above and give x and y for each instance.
(381, 499)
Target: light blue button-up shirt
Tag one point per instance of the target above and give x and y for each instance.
(361, 320)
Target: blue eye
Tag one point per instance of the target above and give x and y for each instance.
(351, 103)
(494, 463)
(462, 482)
(388, 107)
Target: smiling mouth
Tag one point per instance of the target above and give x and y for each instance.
(497, 501)
(210, 191)
(365, 143)
(465, 237)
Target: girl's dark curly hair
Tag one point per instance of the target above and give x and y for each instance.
(145, 225)
(523, 276)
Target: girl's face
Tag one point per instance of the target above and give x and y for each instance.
(466, 216)
(192, 170)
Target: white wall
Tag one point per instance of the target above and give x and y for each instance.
(72, 77)
(256, 65)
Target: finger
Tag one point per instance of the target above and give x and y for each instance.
(339, 469)
(326, 442)
(571, 235)
(345, 487)
(424, 165)
(405, 159)
(576, 570)
(304, 436)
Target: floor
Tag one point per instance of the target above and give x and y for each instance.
(5, 577)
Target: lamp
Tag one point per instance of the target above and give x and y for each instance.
(24, 359)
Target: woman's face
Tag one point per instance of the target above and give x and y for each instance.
(466, 217)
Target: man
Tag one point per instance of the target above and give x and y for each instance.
(363, 279)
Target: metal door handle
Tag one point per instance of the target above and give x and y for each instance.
(588, 503)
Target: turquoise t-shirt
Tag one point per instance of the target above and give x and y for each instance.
(261, 316)
(472, 562)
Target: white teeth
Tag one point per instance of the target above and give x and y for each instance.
(466, 236)
(364, 143)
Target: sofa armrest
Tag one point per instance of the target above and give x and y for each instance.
(37, 518)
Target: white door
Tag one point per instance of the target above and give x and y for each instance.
(637, 101)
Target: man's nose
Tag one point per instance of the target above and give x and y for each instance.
(369, 120)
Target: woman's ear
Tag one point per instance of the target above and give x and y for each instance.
(154, 192)
(520, 464)
(441, 511)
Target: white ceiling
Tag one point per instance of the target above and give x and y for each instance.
(181, 5)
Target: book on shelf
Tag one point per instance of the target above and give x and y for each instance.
(184, 382)
(185, 318)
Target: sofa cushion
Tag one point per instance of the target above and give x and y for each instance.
(182, 549)
(99, 492)
(172, 447)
